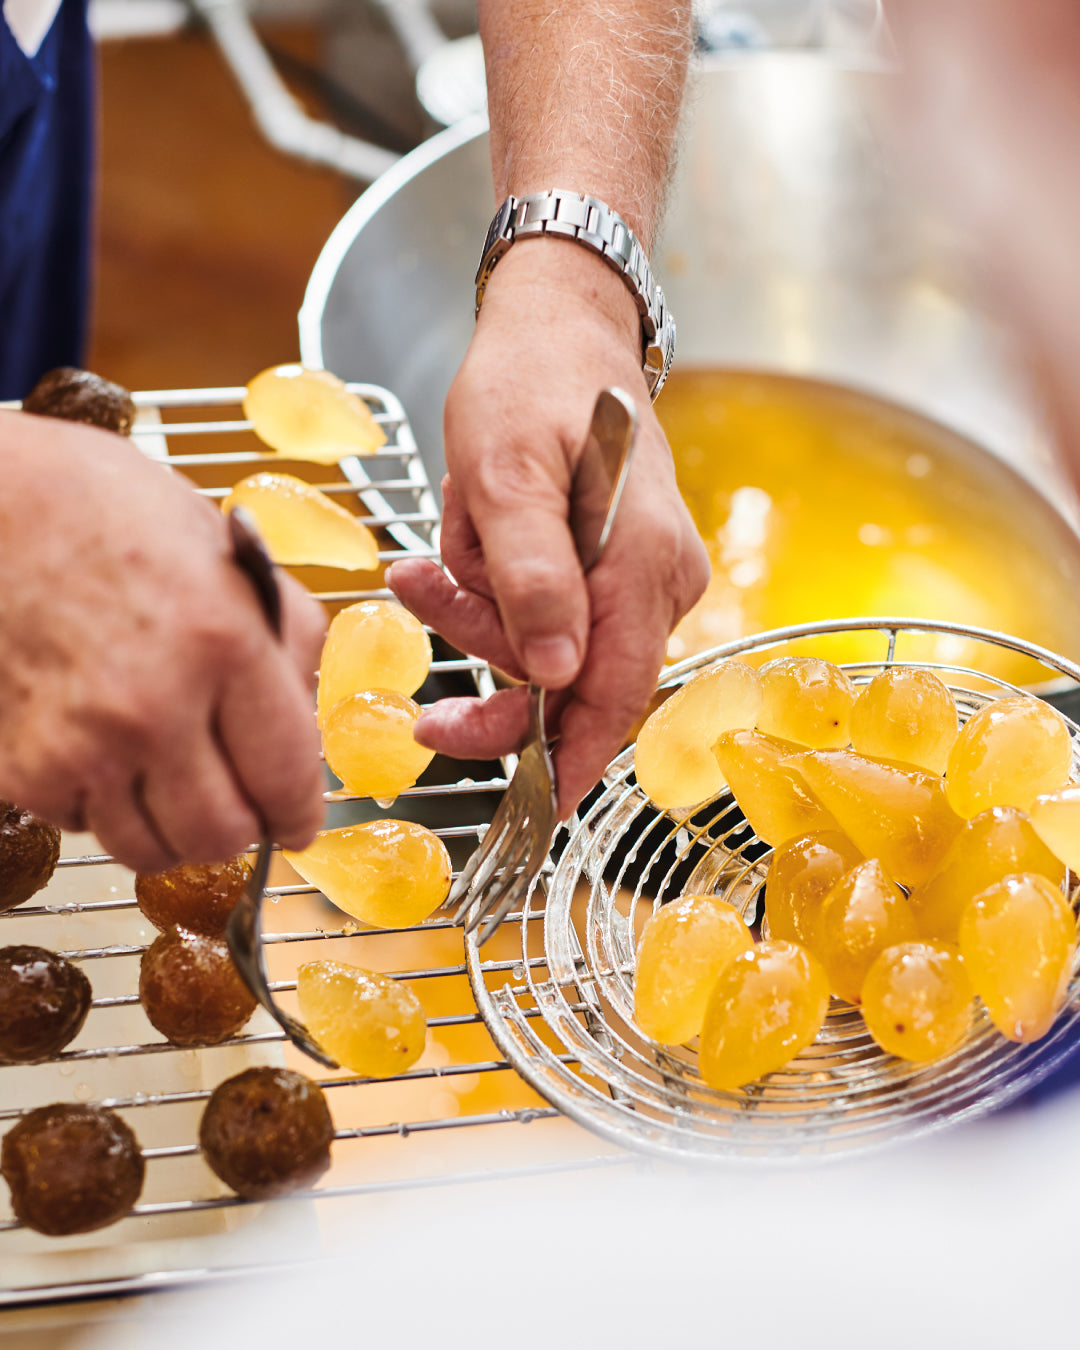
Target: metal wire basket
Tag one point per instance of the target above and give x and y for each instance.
(625, 858)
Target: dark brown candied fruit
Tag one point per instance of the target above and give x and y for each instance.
(267, 1132)
(81, 396)
(29, 850)
(71, 1168)
(196, 896)
(190, 989)
(44, 1000)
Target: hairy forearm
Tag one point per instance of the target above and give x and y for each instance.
(586, 95)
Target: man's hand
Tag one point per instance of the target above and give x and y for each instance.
(557, 326)
(142, 693)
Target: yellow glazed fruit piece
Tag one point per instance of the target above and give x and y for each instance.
(390, 873)
(299, 524)
(673, 757)
(772, 796)
(310, 414)
(864, 913)
(376, 644)
(990, 846)
(1008, 753)
(907, 717)
(683, 948)
(801, 874)
(917, 1000)
(806, 700)
(1017, 939)
(367, 1022)
(766, 1007)
(368, 743)
(1055, 818)
(898, 815)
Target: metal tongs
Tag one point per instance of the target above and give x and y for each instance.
(508, 861)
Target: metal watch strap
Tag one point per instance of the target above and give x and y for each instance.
(587, 221)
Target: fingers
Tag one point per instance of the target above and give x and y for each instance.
(118, 815)
(473, 728)
(467, 621)
(303, 627)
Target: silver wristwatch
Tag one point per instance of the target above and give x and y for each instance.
(569, 215)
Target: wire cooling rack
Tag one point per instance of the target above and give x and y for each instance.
(461, 1114)
(625, 858)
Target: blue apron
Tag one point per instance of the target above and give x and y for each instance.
(46, 153)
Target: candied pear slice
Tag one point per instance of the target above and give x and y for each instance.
(989, 847)
(672, 757)
(310, 414)
(375, 644)
(865, 913)
(898, 815)
(301, 525)
(917, 1000)
(1007, 754)
(773, 797)
(1055, 817)
(370, 1023)
(802, 872)
(368, 742)
(806, 700)
(906, 716)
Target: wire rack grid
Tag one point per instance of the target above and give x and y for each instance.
(624, 858)
(448, 1119)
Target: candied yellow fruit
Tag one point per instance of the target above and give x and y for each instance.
(310, 414)
(368, 742)
(767, 1006)
(989, 847)
(917, 1000)
(389, 873)
(771, 795)
(806, 700)
(907, 717)
(1017, 938)
(1008, 753)
(369, 1023)
(801, 874)
(683, 949)
(673, 757)
(299, 524)
(864, 913)
(898, 815)
(376, 644)
(1055, 817)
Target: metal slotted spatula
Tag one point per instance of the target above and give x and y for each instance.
(506, 864)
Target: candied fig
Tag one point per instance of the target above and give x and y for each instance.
(71, 1168)
(190, 989)
(266, 1132)
(29, 849)
(196, 896)
(81, 396)
(44, 1000)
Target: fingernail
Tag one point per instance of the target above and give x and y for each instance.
(551, 661)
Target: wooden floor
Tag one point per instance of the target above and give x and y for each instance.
(206, 235)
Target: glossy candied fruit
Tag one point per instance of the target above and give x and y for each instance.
(801, 874)
(389, 873)
(369, 1023)
(806, 700)
(863, 914)
(683, 949)
(1007, 754)
(765, 1008)
(301, 525)
(81, 396)
(906, 716)
(898, 815)
(267, 1132)
(44, 1000)
(1055, 818)
(673, 757)
(71, 1168)
(196, 896)
(310, 414)
(990, 846)
(29, 852)
(771, 795)
(368, 742)
(1018, 938)
(917, 1000)
(376, 644)
(190, 989)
